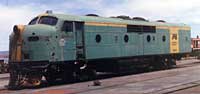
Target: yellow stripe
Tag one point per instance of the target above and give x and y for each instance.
(185, 28)
(44, 14)
(180, 28)
(162, 27)
(105, 24)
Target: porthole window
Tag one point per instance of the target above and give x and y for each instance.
(148, 38)
(98, 38)
(126, 38)
(163, 38)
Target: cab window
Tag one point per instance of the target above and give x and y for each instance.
(48, 20)
(67, 26)
(32, 22)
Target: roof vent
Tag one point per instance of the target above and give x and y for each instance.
(139, 19)
(95, 15)
(161, 21)
(124, 17)
(49, 12)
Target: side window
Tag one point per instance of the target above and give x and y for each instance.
(79, 26)
(141, 28)
(134, 28)
(67, 26)
(149, 29)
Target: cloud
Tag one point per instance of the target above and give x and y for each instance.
(11, 16)
(156, 9)
(178, 11)
(175, 11)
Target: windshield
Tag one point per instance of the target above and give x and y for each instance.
(32, 22)
(48, 20)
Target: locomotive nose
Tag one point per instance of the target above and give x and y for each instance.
(38, 42)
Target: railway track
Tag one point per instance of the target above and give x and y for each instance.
(114, 81)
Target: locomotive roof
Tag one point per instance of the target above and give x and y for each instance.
(114, 20)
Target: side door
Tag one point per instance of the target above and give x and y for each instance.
(141, 43)
(67, 42)
(80, 43)
(137, 35)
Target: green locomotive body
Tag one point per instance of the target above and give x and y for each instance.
(58, 46)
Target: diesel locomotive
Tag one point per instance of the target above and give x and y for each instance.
(64, 47)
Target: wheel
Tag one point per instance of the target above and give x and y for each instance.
(50, 77)
(171, 63)
(91, 73)
(51, 74)
(68, 77)
(34, 78)
(159, 64)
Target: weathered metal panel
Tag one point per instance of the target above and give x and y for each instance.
(134, 46)
(106, 48)
(184, 41)
(109, 45)
(162, 46)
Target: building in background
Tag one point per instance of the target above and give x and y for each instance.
(4, 56)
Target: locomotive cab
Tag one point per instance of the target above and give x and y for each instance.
(39, 39)
(32, 47)
(37, 36)
(38, 49)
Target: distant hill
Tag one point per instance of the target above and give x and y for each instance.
(4, 52)
(4, 56)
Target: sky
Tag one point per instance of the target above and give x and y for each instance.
(22, 11)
